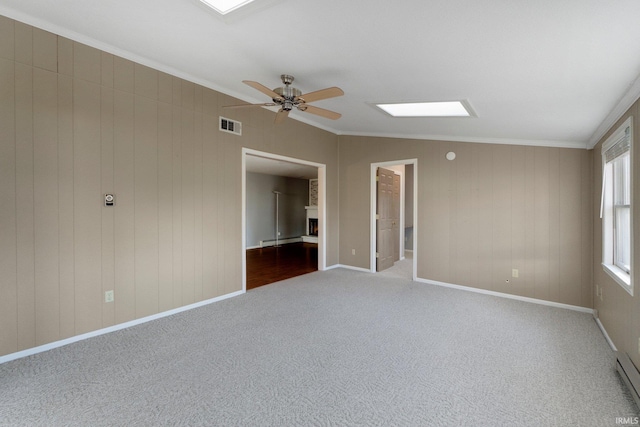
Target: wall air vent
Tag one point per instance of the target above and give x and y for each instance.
(231, 126)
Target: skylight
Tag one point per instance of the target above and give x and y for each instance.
(427, 109)
(225, 6)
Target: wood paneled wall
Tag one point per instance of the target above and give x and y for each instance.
(493, 209)
(618, 311)
(76, 123)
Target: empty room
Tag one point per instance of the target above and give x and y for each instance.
(456, 180)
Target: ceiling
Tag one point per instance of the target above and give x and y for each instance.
(266, 166)
(544, 72)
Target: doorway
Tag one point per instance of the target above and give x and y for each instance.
(387, 218)
(285, 166)
(275, 263)
(396, 242)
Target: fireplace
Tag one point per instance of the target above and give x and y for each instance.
(313, 226)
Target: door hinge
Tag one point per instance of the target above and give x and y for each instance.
(377, 178)
(377, 216)
(377, 254)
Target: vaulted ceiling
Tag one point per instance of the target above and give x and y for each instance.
(546, 72)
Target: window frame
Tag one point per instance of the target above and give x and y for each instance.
(608, 208)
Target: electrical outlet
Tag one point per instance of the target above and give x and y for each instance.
(601, 298)
(515, 273)
(108, 296)
(353, 251)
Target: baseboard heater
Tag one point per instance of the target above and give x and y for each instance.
(629, 375)
(265, 243)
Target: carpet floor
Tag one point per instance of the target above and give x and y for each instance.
(401, 269)
(334, 348)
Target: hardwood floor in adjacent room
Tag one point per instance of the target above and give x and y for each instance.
(269, 265)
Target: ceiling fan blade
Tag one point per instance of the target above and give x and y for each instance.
(329, 92)
(262, 88)
(281, 116)
(266, 104)
(319, 111)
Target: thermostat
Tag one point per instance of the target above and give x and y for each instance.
(109, 199)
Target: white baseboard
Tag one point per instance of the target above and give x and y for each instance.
(267, 243)
(606, 335)
(56, 344)
(508, 296)
(348, 267)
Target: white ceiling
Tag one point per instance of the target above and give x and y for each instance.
(266, 166)
(545, 72)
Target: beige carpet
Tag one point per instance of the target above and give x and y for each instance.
(336, 348)
(401, 269)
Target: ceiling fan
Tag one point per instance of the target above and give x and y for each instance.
(288, 97)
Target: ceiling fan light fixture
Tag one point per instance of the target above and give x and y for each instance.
(289, 97)
(226, 6)
(428, 109)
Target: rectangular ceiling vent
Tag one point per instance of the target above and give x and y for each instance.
(231, 126)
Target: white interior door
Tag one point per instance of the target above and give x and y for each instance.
(384, 220)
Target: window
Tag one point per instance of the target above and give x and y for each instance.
(428, 109)
(616, 206)
(225, 6)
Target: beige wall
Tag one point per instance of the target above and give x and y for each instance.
(493, 209)
(619, 312)
(76, 123)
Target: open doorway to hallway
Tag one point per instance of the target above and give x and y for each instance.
(283, 217)
(393, 217)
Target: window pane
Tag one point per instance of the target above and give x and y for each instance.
(622, 180)
(622, 238)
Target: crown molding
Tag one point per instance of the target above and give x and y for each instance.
(479, 140)
(305, 120)
(108, 48)
(623, 105)
(105, 47)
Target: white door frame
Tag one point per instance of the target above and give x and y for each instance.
(374, 196)
(322, 206)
